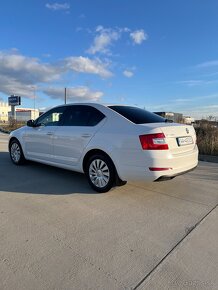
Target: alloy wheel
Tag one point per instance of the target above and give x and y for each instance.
(99, 173)
(15, 152)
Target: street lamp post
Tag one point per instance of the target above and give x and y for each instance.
(65, 96)
(34, 101)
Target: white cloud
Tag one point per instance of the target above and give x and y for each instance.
(128, 73)
(86, 65)
(191, 106)
(197, 98)
(138, 36)
(208, 64)
(19, 67)
(103, 40)
(82, 16)
(192, 83)
(58, 6)
(203, 111)
(19, 73)
(125, 29)
(10, 86)
(74, 94)
(99, 28)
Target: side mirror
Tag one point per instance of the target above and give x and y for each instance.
(30, 123)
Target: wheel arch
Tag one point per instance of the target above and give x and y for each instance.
(99, 151)
(22, 158)
(93, 152)
(11, 140)
(22, 145)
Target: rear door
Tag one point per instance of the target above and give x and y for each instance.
(80, 124)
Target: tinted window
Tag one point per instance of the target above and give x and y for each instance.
(82, 116)
(137, 115)
(53, 117)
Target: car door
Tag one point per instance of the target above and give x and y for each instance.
(39, 139)
(80, 124)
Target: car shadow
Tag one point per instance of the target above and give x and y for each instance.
(36, 178)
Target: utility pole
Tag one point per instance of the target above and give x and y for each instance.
(34, 102)
(65, 96)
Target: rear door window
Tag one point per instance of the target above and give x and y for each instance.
(137, 115)
(82, 115)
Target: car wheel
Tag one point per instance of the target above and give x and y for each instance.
(100, 172)
(16, 153)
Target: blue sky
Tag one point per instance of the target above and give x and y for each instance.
(161, 55)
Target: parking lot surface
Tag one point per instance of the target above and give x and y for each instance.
(56, 233)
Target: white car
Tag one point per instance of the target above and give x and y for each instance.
(110, 144)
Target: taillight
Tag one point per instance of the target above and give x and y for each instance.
(153, 142)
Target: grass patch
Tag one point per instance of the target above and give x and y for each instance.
(207, 138)
(11, 126)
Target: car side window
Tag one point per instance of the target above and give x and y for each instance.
(82, 115)
(53, 117)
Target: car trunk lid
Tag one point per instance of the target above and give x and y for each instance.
(180, 138)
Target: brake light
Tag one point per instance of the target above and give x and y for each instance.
(153, 142)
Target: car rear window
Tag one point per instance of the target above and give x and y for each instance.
(137, 115)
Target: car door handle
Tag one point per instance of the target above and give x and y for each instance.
(49, 133)
(86, 135)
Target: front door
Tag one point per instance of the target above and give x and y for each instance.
(39, 139)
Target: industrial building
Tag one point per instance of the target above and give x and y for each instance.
(4, 109)
(22, 114)
(188, 120)
(175, 117)
(25, 114)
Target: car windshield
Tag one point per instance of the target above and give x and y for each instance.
(137, 115)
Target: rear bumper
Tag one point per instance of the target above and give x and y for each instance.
(137, 168)
(168, 177)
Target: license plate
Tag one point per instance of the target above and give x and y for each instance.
(182, 141)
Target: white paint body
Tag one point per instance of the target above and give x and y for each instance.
(66, 146)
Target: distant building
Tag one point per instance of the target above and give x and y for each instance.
(4, 109)
(188, 120)
(25, 114)
(175, 117)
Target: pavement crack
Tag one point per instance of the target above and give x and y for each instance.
(188, 232)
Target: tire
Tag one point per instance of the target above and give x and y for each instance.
(100, 172)
(16, 152)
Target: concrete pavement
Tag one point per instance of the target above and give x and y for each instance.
(56, 233)
(194, 262)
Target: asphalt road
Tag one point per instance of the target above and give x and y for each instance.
(56, 233)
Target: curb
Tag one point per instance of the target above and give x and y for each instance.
(4, 131)
(208, 158)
